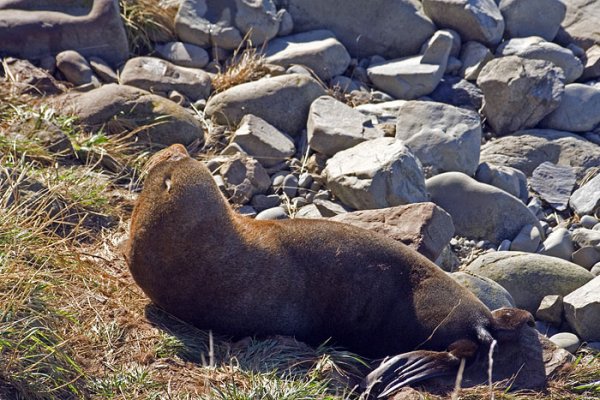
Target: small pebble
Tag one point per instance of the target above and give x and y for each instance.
(247, 211)
(505, 245)
(290, 185)
(567, 341)
(588, 221)
(272, 213)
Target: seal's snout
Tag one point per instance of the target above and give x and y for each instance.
(174, 152)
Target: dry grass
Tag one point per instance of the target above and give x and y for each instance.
(246, 65)
(148, 22)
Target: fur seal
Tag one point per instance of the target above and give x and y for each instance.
(199, 260)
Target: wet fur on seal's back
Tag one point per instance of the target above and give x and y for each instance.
(313, 279)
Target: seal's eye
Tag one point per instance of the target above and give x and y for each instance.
(168, 184)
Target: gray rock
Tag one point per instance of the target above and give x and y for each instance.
(473, 56)
(478, 20)
(443, 137)
(98, 32)
(551, 310)
(530, 277)
(286, 24)
(456, 43)
(333, 126)
(592, 64)
(161, 77)
(75, 68)
(290, 185)
(532, 18)
(527, 240)
(244, 178)
(596, 270)
(587, 237)
(382, 113)
(586, 257)
(554, 183)
(586, 199)
(579, 110)
(328, 208)
(247, 211)
(377, 173)
(309, 211)
(272, 214)
(283, 101)
(458, 92)
(582, 310)
(588, 221)
(504, 245)
(509, 179)
(423, 226)
(567, 341)
(525, 150)
(262, 141)
(352, 22)
(261, 202)
(536, 48)
(479, 211)
(558, 244)
(580, 25)
(183, 54)
(489, 292)
(29, 79)
(225, 23)
(126, 106)
(519, 92)
(412, 77)
(447, 260)
(318, 50)
(103, 70)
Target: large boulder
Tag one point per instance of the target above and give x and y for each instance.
(489, 292)
(423, 226)
(376, 173)
(524, 18)
(283, 101)
(161, 77)
(525, 150)
(318, 50)
(478, 20)
(519, 92)
(530, 277)
(119, 107)
(443, 137)
(479, 211)
(582, 310)
(34, 30)
(366, 29)
(225, 23)
(580, 25)
(334, 126)
(579, 110)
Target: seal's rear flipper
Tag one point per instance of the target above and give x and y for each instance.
(408, 368)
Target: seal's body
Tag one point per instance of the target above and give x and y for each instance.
(199, 260)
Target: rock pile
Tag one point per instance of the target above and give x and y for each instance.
(480, 107)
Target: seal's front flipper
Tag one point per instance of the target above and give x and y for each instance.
(408, 368)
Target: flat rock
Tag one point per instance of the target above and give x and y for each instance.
(183, 54)
(580, 25)
(530, 277)
(536, 48)
(225, 23)
(161, 77)
(582, 310)
(579, 110)
(525, 18)
(333, 126)
(525, 150)
(509, 179)
(283, 101)
(412, 77)
(262, 141)
(377, 173)
(554, 183)
(116, 106)
(567, 341)
(489, 292)
(423, 226)
(586, 199)
(519, 92)
(558, 244)
(479, 211)
(352, 22)
(443, 137)
(244, 178)
(318, 50)
(478, 20)
(98, 32)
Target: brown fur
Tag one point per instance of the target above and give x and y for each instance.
(196, 258)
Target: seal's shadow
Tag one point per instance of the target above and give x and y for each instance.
(254, 354)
